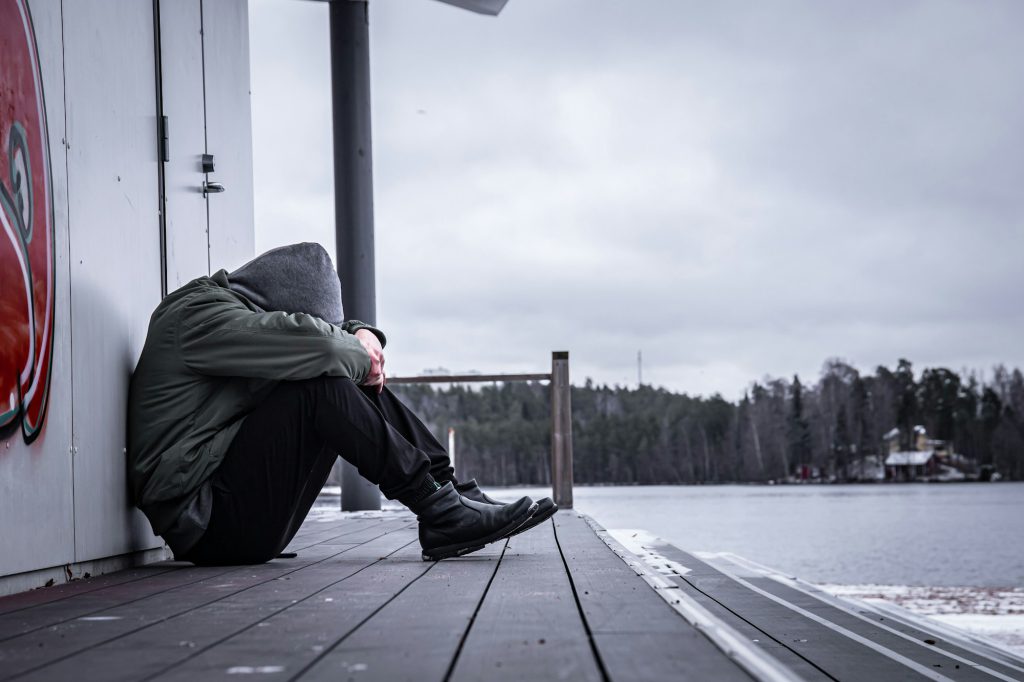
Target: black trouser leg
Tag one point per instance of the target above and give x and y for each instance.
(413, 430)
(281, 457)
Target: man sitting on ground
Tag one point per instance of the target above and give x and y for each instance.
(250, 385)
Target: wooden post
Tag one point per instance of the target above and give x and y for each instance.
(451, 446)
(561, 430)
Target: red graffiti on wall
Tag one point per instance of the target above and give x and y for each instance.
(26, 230)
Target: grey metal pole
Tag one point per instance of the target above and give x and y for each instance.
(353, 191)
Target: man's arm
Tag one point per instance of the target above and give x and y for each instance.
(372, 346)
(221, 336)
(352, 326)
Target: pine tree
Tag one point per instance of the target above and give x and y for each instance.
(799, 430)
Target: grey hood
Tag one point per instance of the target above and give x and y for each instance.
(299, 278)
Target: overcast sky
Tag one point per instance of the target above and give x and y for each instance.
(739, 189)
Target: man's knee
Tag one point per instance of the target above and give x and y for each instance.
(322, 386)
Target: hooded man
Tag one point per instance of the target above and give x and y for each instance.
(250, 385)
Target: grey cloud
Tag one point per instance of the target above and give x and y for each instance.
(736, 188)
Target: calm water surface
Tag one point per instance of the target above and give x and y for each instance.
(959, 534)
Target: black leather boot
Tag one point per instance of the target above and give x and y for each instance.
(452, 525)
(546, 507)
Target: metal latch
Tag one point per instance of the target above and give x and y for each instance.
(212, 188)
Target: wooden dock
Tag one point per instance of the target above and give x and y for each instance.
(561, 602)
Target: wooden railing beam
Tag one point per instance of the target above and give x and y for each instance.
(561, 415)
(467, 378)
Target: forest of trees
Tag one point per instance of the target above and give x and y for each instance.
(649, 435)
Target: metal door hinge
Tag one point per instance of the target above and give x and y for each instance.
(165, 151)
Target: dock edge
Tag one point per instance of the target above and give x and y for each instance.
(745, 654)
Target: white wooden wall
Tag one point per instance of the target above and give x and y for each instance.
(36, 482)
(64, 498)
(207, 115)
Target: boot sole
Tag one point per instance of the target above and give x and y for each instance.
(535, 520)
(461, 548)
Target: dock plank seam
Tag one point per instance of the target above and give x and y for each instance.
(754, 660)
(768, 635)
(59, 659)
(938, 647)
(153, 572)
(333, 537)
(366, 619)
(864, 641)
(914, 630)
(200, 579)
(156, 572)
(305, 533)
(469, 626)
(529, 626)
(579, 607)
(212, 645)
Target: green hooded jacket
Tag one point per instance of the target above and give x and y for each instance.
(210, 357)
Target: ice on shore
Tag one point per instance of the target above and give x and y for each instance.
(994, 613)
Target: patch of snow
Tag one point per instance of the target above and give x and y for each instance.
(995, 613)
(947, 474)
(258, 669)
(909, 458)
(645, 546)
(1008, 630)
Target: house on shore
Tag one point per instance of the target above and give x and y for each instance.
(910, 465)
(928, 459)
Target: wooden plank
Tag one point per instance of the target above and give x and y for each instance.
(292, 639)
(529, 626)
(783, 654)
(45, 646)
(996, 660)
(319, 519)
(168, 642)
(20, 623)
(638, 635)
(320, 524)
(403, 642)
(191, 633)
(347, 534)
(647, 655)
(39, 596)
(929, 655)
(75, 636)
(46, 595)
(839, 656)
(340, 531)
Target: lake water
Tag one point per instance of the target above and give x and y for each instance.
(909, 534)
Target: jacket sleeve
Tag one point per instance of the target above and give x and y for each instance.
(352, 326)
(219, 335)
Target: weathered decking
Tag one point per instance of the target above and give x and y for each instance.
(554, 603)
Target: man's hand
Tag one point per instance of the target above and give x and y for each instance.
(372, 345)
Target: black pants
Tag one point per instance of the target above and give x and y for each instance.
(284, 451)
